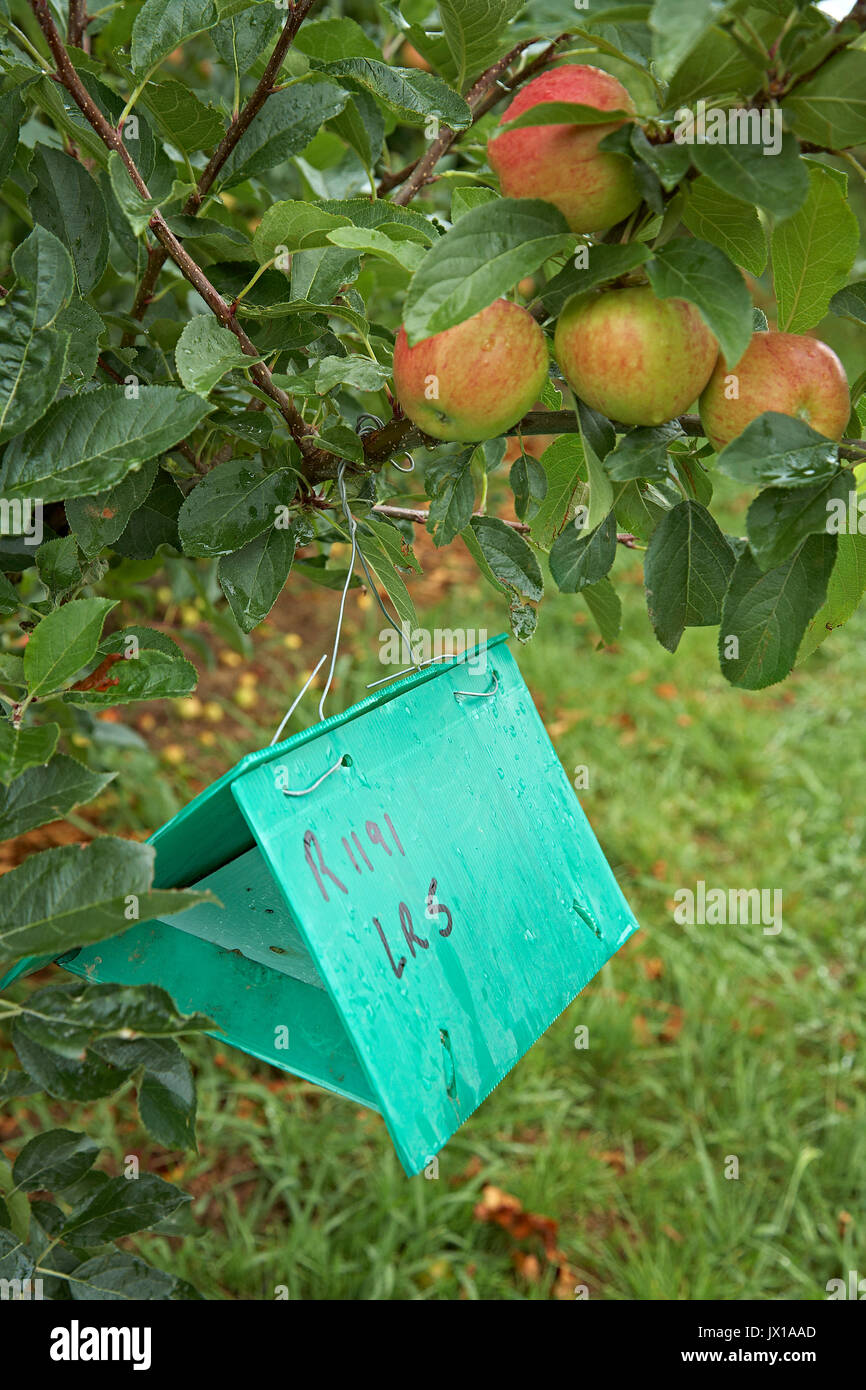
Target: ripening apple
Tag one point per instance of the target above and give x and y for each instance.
(476, 380)
(562, 163)
(784, 372)
(638, 359)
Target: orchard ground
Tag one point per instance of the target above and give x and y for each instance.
(704, 1041)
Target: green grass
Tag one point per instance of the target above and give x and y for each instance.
(705, 1041)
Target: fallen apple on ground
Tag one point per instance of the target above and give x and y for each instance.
(562, 164)
(784, 372)
(638, 359)
(476, 380)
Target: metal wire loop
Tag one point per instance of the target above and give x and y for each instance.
(480, 694)
(341, 762)
(361, 428)
(421, 664)
(410, 469)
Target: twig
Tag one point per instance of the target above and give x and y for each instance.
(260, 374)
(156, 256)
(512, 83)
(484, 95)
(857, 15)
(420, 518)
(244, 119)
(76, 27)
(109, 370)
(400, 434)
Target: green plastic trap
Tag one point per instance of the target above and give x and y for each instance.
(403, 930)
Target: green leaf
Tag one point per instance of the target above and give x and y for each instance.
(529, 484)
(716, 67)
(24, 748)
(329, 40)
(361, 212)
(15, 1260)
(233, 503)
(242, 38)
(152, 675)
(166, 1092)
(10, 602)
(77, 1015)
(360, 373)
(12, 111)
(781, 517)
(63, 642)
(509, 557)
(603, 263)
(69, 203)
(122, 1205)
(844, 593)
(643, 453)
(152, 524)
(850, 302)
(701, 273)
(562, 113)
(121, 1277)
(482, 257)
(687, 568)
(604, 604)
(765, 614)
(161, 25)
(813, 251)
(82, 1080)
(136, 209)
(393, 542)
(670, 163)
(44, 794)
(205, 352)
(166, 1096)
(387, 575)
(578, 558)
(778, 183)
(565, 466)
(180, 117)
(678, 25)
(451, 489)
(361, 124)
(830, 108)
(285, 125)
(411, 95)
(476, 32)
(85, 328)
(54, 1160)
(300, 306)
(15, 1084)
(691, 473)
(32, 353)
(597, 437)
(735, 227)
(463, 200)
(252, 578)
(57, 565)
(778, 448)
(296, 226)
(68, 897)
(342, 441)
(88, 443)
(370, 241)
(42, 266)
(98, 520)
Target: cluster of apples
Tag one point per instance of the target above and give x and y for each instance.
(637, 359)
